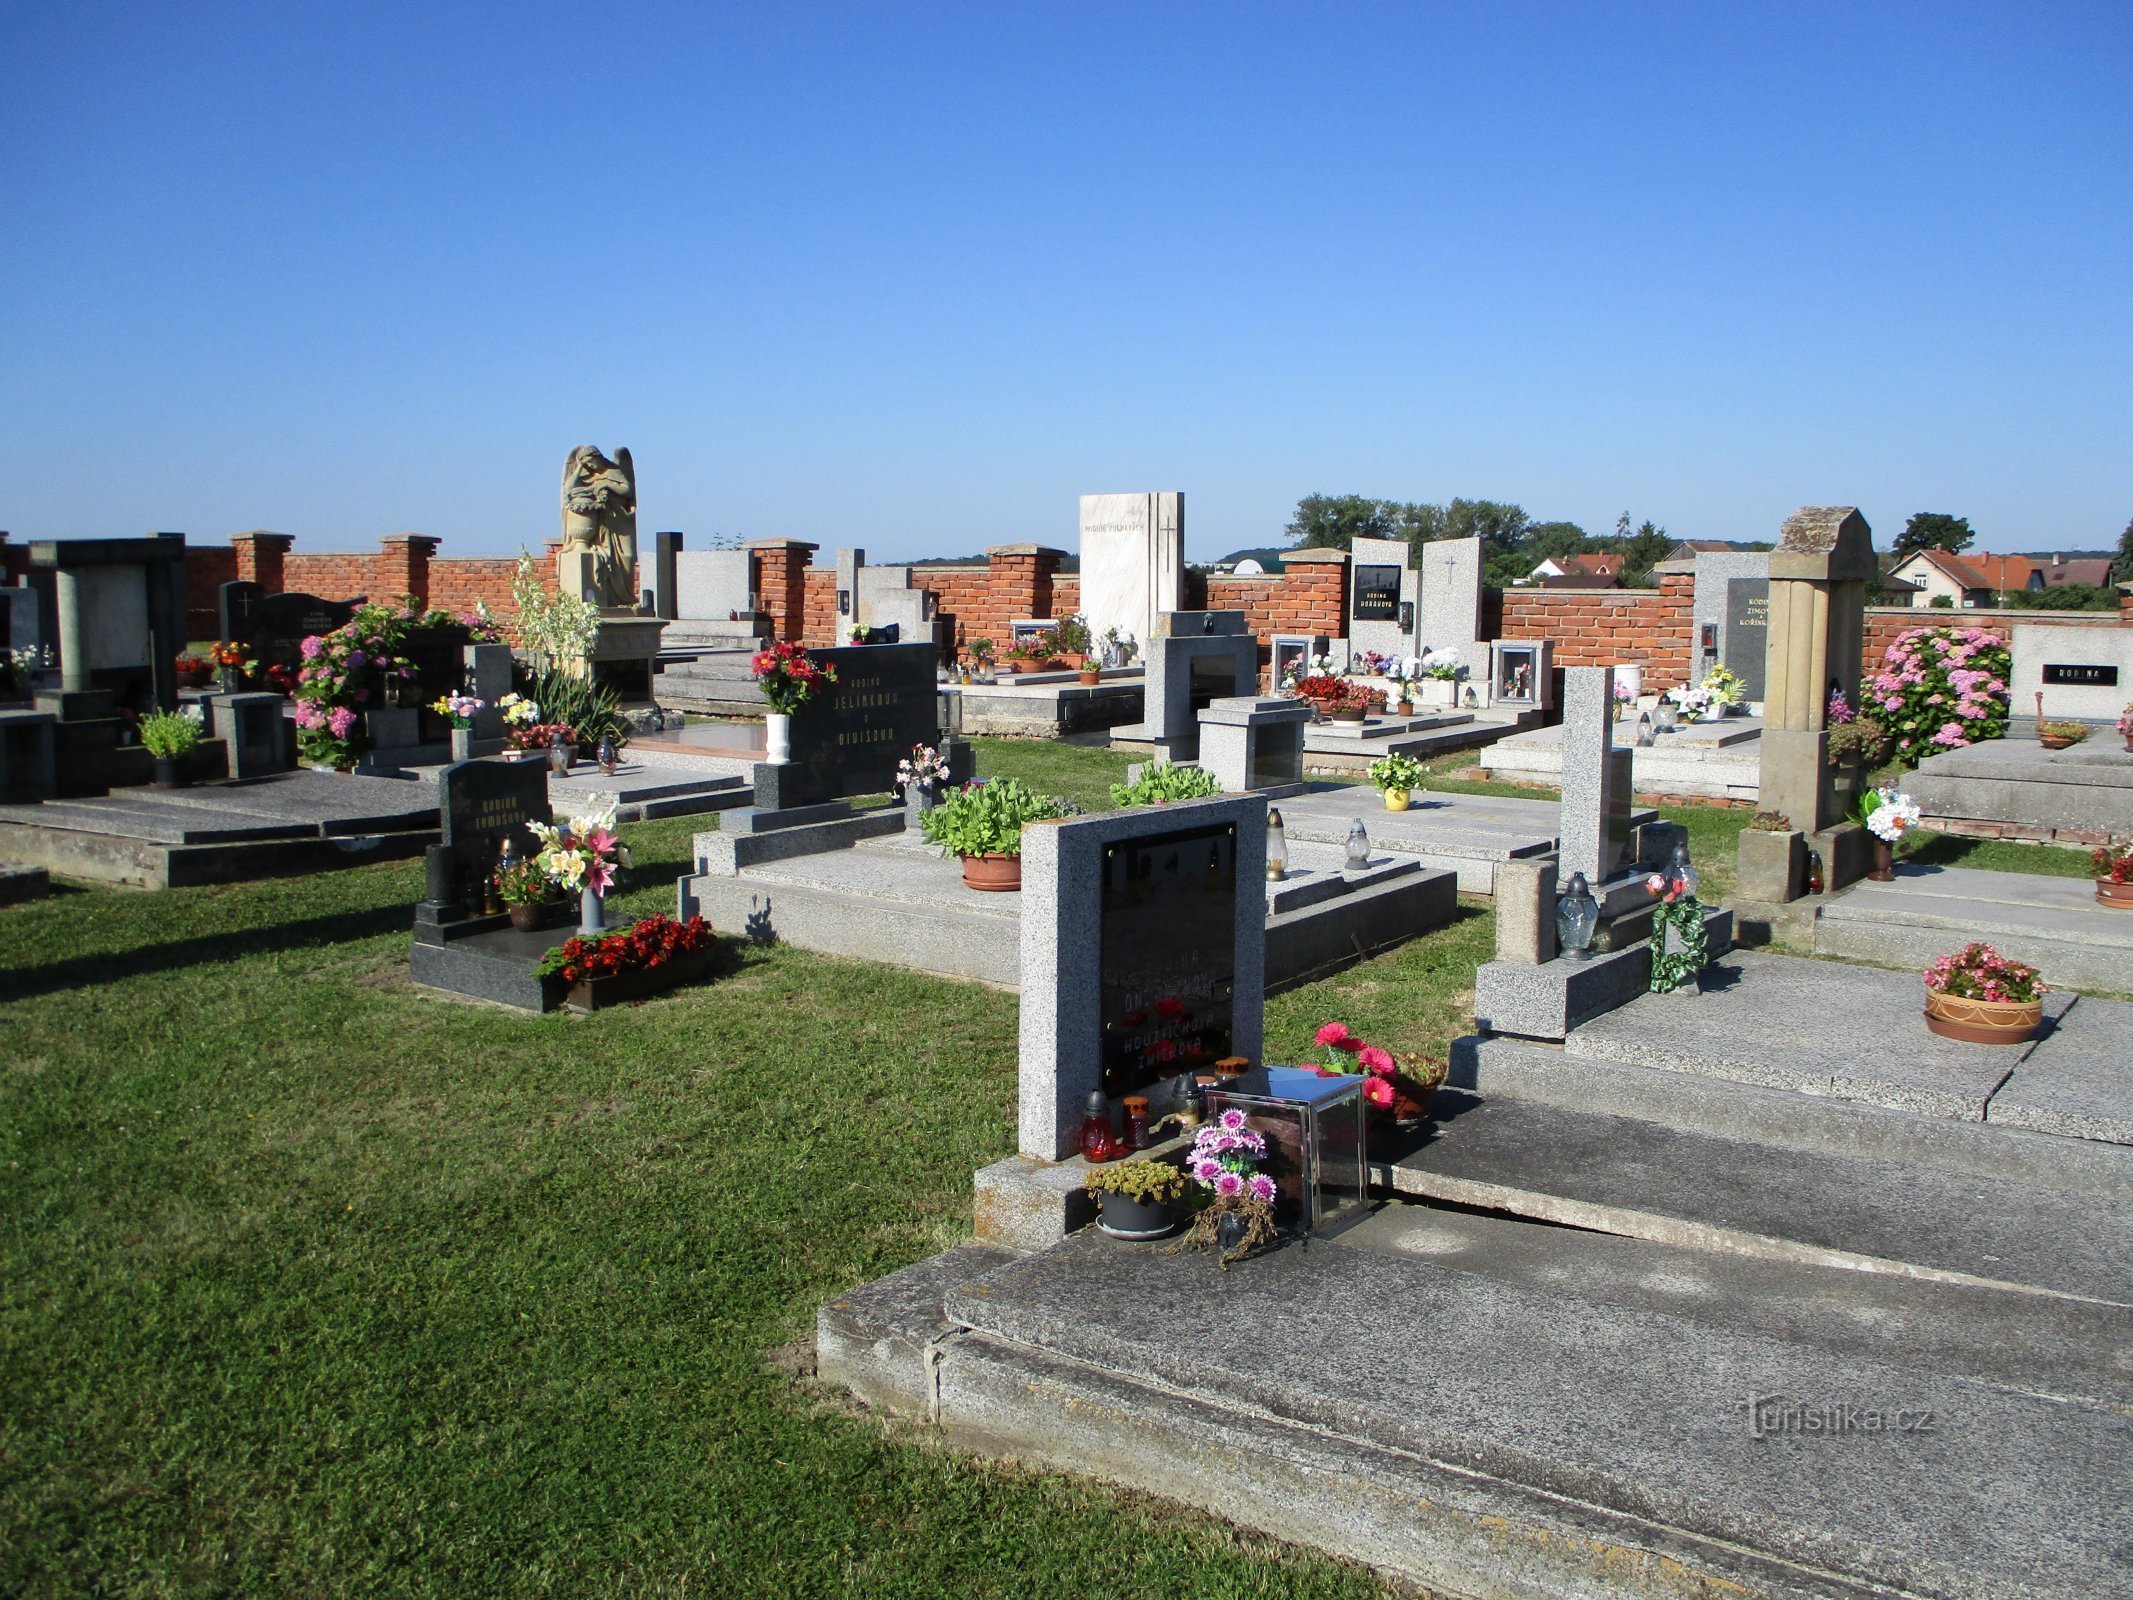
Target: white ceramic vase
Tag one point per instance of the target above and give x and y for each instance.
(777, 726)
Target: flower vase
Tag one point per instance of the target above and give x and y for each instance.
(777, 731)
(590, 922)
(1884, 862)
(462, 744)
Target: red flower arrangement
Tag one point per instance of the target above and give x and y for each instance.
(1330, 691)
(2112, 866)
(789, 677)
(649, 942)
(1399, 1086)
(1979, 972)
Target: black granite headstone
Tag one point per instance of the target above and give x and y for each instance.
(1169, 929)
(1211, 678)
(479, 803)
(847, 740)
(1747, 631)
(1376, 594)
(239, 606)
(282, 622)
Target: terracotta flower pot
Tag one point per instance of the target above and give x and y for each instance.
(2117, 896)
(1406, 708)
(1983, 1021)
(1090, 678)
(2055, 741)
(1348, 713)
(993, 873)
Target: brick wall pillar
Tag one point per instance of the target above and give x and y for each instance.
(259, 558)
(2125, 600)
(404, 567)
(781, 581)
(1020, 577)
(1314, 593)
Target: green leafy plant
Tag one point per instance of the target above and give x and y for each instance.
(1150, 1182)
(1072, 636)
(169, 734)
(2072, 732)
(1770, 822)
(1397, 772)
(1165, 780)
(591, 709)
(556, 630)
(1864, 740)
(986, 818)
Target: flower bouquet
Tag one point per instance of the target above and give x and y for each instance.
(1400, 1087)
(1887, 814)
(234, 664)
(1443, 665)
(1239, 1216)
(1725, 688)
(581, 856)
(2113, 871)
(789, 677)
(924, 770)
(458, 709)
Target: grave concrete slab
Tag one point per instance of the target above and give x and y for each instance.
(2035, 1344)
(2019, 784)
(1868, 1042)
(2079, 1082)
(1617, 1174)
(1637, 1417)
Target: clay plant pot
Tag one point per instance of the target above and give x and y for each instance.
(1348, 713)
(1397, 799)
(994, 874)
(1406, 708)
(2056, 741)
(1884, 861)
(1090, 677)
(2117, 896)
(1983, 1021)
(527, 916)
(1123, 1217)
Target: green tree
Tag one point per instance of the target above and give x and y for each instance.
(1334, 521)
(1934, 530)
(2122, 563)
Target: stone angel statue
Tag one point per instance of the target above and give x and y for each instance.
(600, 522)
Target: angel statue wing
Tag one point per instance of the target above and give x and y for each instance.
(628, 469)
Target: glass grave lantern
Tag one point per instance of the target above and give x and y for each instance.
(1358, 846)
(1577, 915)
(1678, 871)
(1277, 848)
(1315, 1130)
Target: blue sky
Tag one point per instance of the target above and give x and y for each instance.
(915, 277)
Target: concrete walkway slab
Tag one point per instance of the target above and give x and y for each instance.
(2053, 923)
(2079, 1082)
(1467, 834)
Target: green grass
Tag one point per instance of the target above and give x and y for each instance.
(312, 1285)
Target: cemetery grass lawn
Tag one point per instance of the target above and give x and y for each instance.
(310, 1284)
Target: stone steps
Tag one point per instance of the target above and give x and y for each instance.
(2055, 924)
(1489, 1408)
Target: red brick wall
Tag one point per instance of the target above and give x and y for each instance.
(1604, 627)
(458, 582)
(820, 607)
(781, 575)
(1305, 599)
(207, 569)
(332, 577)
(1884, 623)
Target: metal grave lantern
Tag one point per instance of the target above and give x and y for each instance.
(1315, 1134)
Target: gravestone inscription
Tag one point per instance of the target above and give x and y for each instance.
(480, 804)
(1747, 637)
(847, 740)
(1377, 594)
(1168, 987)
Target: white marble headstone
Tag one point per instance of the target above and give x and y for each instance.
(1449, 616)
(1132, 562)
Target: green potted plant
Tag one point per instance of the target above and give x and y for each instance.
(169, 737)
(526, 892)
(982, 824)
(1161, 782)
(1979, 996)
(1137, 1199)
(1397, 777)
(2061, 735)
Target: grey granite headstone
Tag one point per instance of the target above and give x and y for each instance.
(1596, 778)
(1744, 641)
(1449, 615)
(1715, 572)
(1383, 589)
(714, 585)
(1143, 954)
(257, 734)
(479, 803)
(1254, 744)
(665, 548)
(1187, 671)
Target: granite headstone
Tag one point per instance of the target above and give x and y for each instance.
(847, 740)
(480, 803)
(1745, 643)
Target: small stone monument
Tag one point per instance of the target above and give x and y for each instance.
(1132, 562)
(1817, 616)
